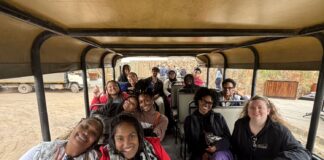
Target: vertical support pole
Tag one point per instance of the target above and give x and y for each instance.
(225, 65)
(208, 67)
(113, 64)
(255, 69)
(102, 65)
(114, 73)
(318, 102)
(84, 77)
(39, 83)
(120, 69)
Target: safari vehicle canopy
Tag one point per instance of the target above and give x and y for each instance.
(47, 36)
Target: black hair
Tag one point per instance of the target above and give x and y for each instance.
(170, 71)
(130, 96)
(229, 80)
(100, 121)
(129, 119)
(156, 69)
(141, 87)
(175, 78)
(204, 91)
(186, 77)
(124, 67)
(147, 92)
(198, 69)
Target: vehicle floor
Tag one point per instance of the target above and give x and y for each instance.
(171, 147)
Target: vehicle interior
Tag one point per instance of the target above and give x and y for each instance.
(39, 37)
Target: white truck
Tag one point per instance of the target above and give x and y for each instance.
(67, 80)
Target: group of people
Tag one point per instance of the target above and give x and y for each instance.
(165, 69)
(131, 124)
(141, 106)
(259, 133)
(161, 91)
(126, 141)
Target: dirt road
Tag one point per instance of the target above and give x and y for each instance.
(19, 123)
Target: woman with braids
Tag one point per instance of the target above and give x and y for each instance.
(79, 145)
(261, 133)
(127, 142)
(153, 122)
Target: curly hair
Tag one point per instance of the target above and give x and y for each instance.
(187, 77)
(229, 80)
(204, 91)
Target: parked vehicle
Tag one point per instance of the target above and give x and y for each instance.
(67, 80)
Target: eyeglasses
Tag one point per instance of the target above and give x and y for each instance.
(207, 102)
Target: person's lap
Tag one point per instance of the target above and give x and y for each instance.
(219, 155)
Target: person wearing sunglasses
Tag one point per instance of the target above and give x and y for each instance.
(206, 131)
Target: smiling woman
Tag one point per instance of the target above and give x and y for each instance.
(260, 133)
(206, 131)
(127, 142)
(78, 146)
(153, 122)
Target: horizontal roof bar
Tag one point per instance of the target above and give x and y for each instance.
(312, 30)
(123, 32)
(122, 51)
(159, 54)
(157, 46)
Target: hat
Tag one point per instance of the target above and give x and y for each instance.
(172, 71)
(198, 69)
